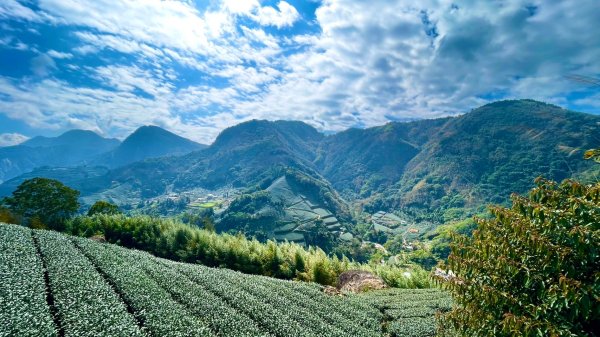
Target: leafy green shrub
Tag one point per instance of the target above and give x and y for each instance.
(413, 277)
(531, 270)
(97, 288)
(409, 313)
(152, 304)
(103, 207)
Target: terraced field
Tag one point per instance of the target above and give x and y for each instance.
(57, 285)
(300, 213)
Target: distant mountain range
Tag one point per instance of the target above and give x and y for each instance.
(82, 147)
(76, 147)
(435, 169)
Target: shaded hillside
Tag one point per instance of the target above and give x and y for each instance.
(484, 156)
(87, 179)
(75, 147)
(361, 161)
(241, 156)
(148, 142)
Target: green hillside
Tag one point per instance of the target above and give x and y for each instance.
(487, 154)
(290, 205)
(79, 287)
(359, 162)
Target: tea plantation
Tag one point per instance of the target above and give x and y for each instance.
(57, 285)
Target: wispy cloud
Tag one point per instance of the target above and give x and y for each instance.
(12, 9)
(42, 65)
(59, 55)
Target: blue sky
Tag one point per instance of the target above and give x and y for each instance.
(196, 67)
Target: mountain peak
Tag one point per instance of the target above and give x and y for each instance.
(149, 141)
(257, 130)
(69, 138)
(150, 130)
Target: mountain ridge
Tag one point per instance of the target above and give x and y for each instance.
(431, 167)
(85, 147)
(74, 147)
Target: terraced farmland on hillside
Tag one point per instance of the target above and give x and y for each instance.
(300, 213)
(57, 285)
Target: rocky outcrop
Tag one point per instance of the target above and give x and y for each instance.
(357, 281)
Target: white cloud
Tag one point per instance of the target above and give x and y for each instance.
(9, 139)
(129, 78)
(152, 28)
(86, 49)
(172, 24)
(11, 42)
(244, 7)
(59, 55)
(12, 9)
(118, 110)
(284, 16)
(382, 60)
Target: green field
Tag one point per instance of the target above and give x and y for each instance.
(210, 204)
(58, 285)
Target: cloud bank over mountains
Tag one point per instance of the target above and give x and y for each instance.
(196, 67)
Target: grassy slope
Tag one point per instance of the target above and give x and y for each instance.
(78, 287)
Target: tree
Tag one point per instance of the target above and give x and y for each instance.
(320, 236)
(208, 224)
(103, 207)
(46, 200)
(531, 270)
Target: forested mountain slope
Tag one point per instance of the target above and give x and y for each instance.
(485, 155)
